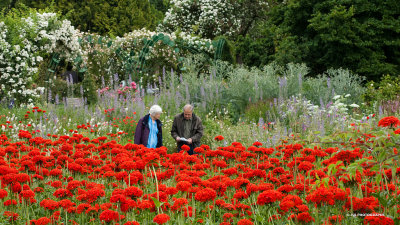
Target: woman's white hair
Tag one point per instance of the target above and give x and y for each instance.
(155, 109)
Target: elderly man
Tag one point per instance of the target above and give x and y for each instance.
(187, 129)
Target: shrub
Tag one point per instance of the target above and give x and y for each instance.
(384, 95)
(321, 89)
(258, 110)
(26, 37)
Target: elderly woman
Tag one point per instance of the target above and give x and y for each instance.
(149, 130)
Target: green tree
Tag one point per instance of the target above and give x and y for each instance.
(112, 17)
(160, 5)
(362, 35)
(254, 51)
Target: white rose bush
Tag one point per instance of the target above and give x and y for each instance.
(122, 55)
(211, 18)
(24, 42)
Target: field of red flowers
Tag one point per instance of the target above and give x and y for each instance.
(72, 179)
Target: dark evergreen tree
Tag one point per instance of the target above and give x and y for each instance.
(112, 17)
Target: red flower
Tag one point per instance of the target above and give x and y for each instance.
(257, 143)
(49, 204)
(245, 222)
(82, 207)
(74, 167)
(294, 198)
(220, 163)
(286, 205)
(240, 194)
(73, 184)
(128, 165)
(11, 215)
(297, 146)
(131, 223)
(10, 202)
(278, 170)
(109, 215)
(161, 218)
(227, 216)
(321, 195)
(178, 203)
(16, 188)
(335, 219)
(42, 221)
(38, 190)
(183, 186)
(378, 220)
(306, 166)
(24, 134)
(205, 195)
(3, 193)
(219, 138)
(269, 196)
(397, 131)
(62, 193)
(56, 184)
(199, 150)
(285, 188)
(27, 194)
(362, 205)
(65, 203)
(22, 178)
(133, 192)
(55, 172)
(389, 121)
(304, 217)
(185, 148)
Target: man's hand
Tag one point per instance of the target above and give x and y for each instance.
(178, 138)
(189, 141)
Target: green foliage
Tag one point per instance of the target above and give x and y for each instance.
(388, 88)
(227, 51)
(230, 88)
(27, 38)
(89, 89)
(334, 82)
(142, 54)
(60, 88)
(213, 129)
(160, 5)
(258, 110)
(104, 17)
(254, 52)
(6, 5)
(242, 91)
(383, 94)
(362, 36)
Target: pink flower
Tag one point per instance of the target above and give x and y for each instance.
(133, 85)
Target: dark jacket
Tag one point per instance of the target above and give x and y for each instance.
(196, 131)
(143, 131)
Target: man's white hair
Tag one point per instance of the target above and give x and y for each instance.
(155, 109)
(188, 107)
